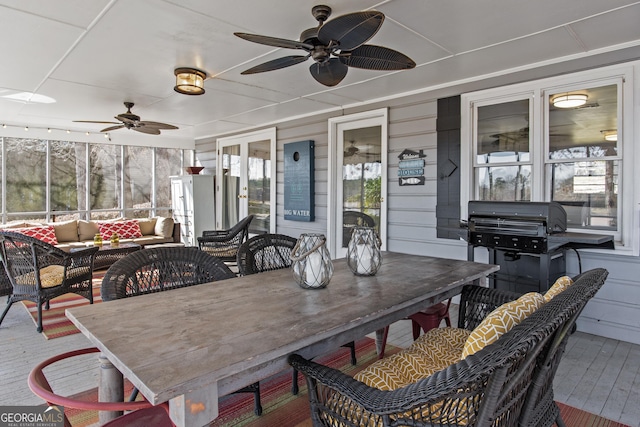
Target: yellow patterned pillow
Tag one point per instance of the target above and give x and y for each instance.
(442, 345)
(50, 276)
(500, 321)
(561, 284)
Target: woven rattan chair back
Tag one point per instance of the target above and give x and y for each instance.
(25, 260)
(265, 252)
(160, 269)
(224, 244)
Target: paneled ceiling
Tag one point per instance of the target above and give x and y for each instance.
(90, 56)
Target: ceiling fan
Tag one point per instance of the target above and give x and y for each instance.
(334, 46)
(132, 121)
(352, 150)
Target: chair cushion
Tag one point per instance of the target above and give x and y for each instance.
(560, 285)
(442, 345)
(500, 321)
(50, 276)
(128, 229)
(45, 233)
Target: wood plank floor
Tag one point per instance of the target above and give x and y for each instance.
(599, 375)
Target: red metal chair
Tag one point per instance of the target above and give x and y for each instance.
(427, 319)
(144, 413)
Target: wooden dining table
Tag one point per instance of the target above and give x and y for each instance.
(191, 345)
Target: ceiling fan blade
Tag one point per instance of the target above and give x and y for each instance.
(351, 30)
(373, 57)
(149, 130)
(109, 129)
(275, 41)
(329, 73)
(276, 64)
(158, 125)
(95, 121)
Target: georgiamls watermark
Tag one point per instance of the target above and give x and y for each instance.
(32, 416)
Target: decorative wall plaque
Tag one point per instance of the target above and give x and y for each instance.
(299, 200)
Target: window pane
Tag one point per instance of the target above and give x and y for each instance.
(509, 183)
(580, 132)
(138, 182)
(26, 175)
(503, 132)
(68, 176)
(589, 193)
(167, 164)
(104, 161)
(259, 192)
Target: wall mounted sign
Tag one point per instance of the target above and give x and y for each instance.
(299, 182)
(411, 168)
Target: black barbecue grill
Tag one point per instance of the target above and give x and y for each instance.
(527, 239)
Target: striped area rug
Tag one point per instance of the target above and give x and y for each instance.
(54, 323)
(282, 409)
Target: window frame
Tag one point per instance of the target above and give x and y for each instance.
(627, 235)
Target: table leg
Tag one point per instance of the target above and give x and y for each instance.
(379, 340)
(111, 388)
(196, 408)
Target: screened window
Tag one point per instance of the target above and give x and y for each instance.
(138, 182)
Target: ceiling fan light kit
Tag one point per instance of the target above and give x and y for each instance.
(569, 100)
(334, 46)
(189, 81)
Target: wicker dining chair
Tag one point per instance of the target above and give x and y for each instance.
(224, 244)
(266, 252)
(39, 272)
(351, 219)
(164, 268)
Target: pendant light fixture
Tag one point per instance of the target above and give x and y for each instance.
(569, 100)
(189, 81)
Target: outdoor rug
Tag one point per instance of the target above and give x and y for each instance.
(282, 409)
(54, 323)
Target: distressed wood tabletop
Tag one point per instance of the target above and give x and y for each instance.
(215, 338)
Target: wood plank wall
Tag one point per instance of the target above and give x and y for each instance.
(614, 313)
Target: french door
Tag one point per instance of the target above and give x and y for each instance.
(245, 176)
(357, 176)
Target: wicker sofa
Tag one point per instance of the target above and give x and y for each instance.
(67, 235)
(506, 383)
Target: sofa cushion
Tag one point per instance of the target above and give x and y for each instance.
(500, 321)
(560, 285)
(164, 227)
(46, 233)
(147, 226)
(129, 229)
(87, 230)
(66, 231)
(14, 224)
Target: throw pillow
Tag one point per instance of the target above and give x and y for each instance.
(500, 321)
(66, 231)
(561, 284)
(129, 229)
(46, 233)
(147, 226)
(164, 227)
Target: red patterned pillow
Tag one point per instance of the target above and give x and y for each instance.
(46, 233)
(129, 229)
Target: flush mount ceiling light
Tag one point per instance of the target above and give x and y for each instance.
(610, 135)
(189, 81)
(569, 100)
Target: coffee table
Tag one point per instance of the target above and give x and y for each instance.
(109, 254)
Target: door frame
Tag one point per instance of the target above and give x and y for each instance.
(244, 140)
(379, 117)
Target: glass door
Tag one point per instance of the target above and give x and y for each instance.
(244, 175)
(359, 178)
